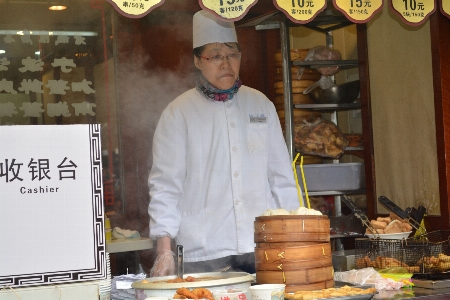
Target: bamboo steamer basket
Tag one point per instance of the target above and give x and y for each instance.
(295, 54)
(296, 99)
(291, 228)
(297, 86)
(325, 261)
(307, 74)
(314, 252)
(293, 250)
(286, 224)
(296, 277)
(295, 266)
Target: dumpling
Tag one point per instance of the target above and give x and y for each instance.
(279, 211)
(267, 213)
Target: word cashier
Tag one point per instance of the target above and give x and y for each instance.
(39, 190)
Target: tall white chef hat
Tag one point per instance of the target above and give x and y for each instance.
(208, 28)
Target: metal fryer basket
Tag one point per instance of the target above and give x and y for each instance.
(385, 253)
(436, 257)
(424, 254)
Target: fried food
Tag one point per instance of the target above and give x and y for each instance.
(382, 262)
(203, 293)
(186, 293)
(378, 224)
(176, 280)
(196, 293)
(386, 220)
(191, 279)
(330, 293)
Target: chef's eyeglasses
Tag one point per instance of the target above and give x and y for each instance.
(218, 59)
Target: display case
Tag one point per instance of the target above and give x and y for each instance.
(326, 22)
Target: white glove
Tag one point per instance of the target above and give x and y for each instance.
(164, 264)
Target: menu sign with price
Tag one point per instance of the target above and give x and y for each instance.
(135, 8)
(358, 11)
(413, 12)
(301, 11)
(232, 10)
(445, 8)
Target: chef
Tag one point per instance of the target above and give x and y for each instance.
(219, 161)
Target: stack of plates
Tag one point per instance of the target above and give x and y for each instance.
(125, 291)
(105, 285)
(128, 294)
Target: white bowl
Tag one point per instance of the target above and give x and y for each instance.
(231, 294)
(267, 291)
(390, 236)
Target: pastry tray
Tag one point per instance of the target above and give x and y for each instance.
(431, 284)
(339, 284)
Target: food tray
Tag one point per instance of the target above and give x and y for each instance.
(214, 279)
(431, 284)
(355, 297)
(333, 177)
(390, 236)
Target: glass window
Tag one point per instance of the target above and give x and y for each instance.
(57, 67)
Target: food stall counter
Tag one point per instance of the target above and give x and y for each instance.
(124, 245)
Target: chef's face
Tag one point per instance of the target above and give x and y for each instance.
(220, 73)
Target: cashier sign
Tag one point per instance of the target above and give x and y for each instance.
(51, 207)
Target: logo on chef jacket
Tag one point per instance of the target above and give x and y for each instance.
(257, 118)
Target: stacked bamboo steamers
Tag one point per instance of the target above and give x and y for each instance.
(308, 77)
(294, 250)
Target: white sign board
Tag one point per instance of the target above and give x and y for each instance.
(51, 205)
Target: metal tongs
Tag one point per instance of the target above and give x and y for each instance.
(180, 263)
(359, 213)
(403, 214)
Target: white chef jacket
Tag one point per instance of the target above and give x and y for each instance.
(217, 166)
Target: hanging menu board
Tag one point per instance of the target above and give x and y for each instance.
(135, 8)
(413, 12)
(301, 11)
(358, 11)
(445, 8)
(232, 10)
(51, 205)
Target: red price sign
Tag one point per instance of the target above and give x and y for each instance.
(232, 10)
(135, 8)
(358, 11)
(413, 12)
(301, 11)
(445, 8)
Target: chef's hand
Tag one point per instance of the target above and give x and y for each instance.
(165, 261)
(164, 265)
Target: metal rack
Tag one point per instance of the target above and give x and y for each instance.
(327, 21)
